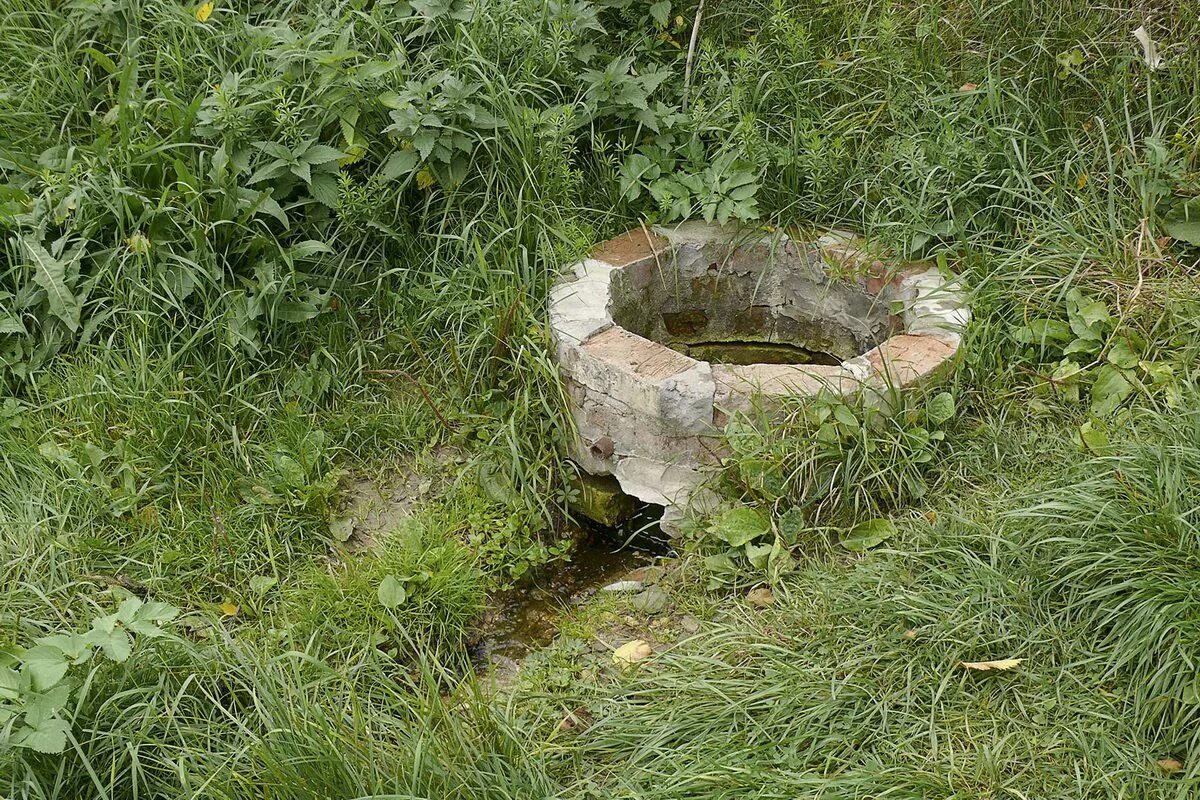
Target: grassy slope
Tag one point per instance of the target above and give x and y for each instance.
(222, 460)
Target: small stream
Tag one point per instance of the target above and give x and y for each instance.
(526, 617)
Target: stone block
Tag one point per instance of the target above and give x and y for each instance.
(600, 499)
(906, 360)
(630, 247)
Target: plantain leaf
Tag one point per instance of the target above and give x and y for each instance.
(940, 409)
(392, 592)
(50, 273)
(737, 526)
(1183, 222)
(868, 534)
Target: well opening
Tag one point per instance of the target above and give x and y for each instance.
(749, 304)
(662, 337)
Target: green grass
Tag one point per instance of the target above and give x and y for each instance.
(194, 360)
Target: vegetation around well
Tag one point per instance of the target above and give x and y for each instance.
(257, 253)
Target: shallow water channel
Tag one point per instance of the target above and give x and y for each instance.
(527, 616)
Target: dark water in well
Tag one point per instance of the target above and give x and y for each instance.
(746, 353)
(527, 616)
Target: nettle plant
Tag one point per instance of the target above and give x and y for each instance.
(720, 190)
(439, 123)
(1098, 359)
(835, 467)
(36, 683)
(245, 192)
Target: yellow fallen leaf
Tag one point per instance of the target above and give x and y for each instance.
(1081, 181)
(229, 609)
(630, 652)
(984, 666)
(761, 597)
(1170, 765)
(204, 12)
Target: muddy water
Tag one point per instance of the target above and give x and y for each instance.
(527, 616)
(746, 353)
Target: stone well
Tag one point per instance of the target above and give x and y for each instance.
(662, 334)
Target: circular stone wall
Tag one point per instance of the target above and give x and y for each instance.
(638, 326)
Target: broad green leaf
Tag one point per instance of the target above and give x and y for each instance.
(1183, 222)
(157, 611)
(50, 273)
(392, 592)
(1122, 354)
(261, 202)
(868, 534)
(497, 483)
(302, 170)
(322, 154)
(49, 737)
(741, 525)
(845, 415)
(10, 683)
(115, 643)
(399, 164)
(13, 202)
(791, 525)
(1085, 347)
(661, 12)
(11, 323)
(45, 666)
(324, 188)
(149, 618)
(295, 311)
(1094, 313)
(720, 564)
(42, 706)
(1109, 390)
(267, 171)
(1093, 436)
(1042, 331)
(276, 150)
(763, 477)
(127, 611)
(1088, 318)
(651, 601)
(1184, 230)
(52, 451)
(341, 528)
(308, 248)
(759, 554)
(73, 645)
(940, 409)
(780, 561)
(1159, 372)
(1065, 378)
(261, 584)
